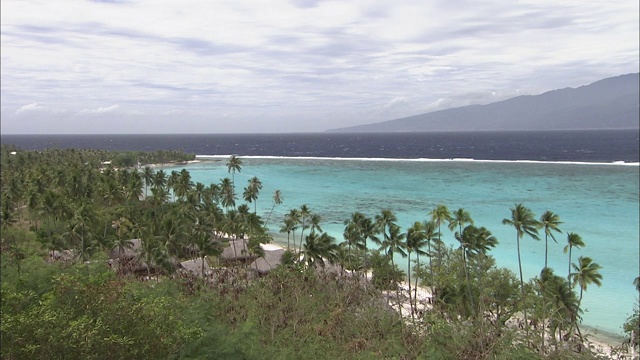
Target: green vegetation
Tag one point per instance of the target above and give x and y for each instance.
(329, 299)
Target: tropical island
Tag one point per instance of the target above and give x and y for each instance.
(105, 257)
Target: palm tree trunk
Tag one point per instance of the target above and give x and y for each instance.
(409, 281)
(569, 271)
(415, 288)
(524, 305)
(466, 276)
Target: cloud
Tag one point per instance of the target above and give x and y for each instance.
(29, 108)
(100, 110)
(280, 63)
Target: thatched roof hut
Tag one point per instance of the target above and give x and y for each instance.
(271, 259)
(129, 252)
(194, 266)
(236, 251)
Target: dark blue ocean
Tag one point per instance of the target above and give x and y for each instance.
(579, 146)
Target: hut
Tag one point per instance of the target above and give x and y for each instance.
(129, 252)
(272, 258)
(194, 267)
(237, 251)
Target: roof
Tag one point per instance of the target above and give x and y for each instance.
(128, 252)
(269, 261)
(237, 250)
(194, 266)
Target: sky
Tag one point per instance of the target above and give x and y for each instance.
(156, 66)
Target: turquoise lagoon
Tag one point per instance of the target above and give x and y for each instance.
(598, 201)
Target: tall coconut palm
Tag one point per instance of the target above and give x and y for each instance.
(234, 164)
(305, 213)
(440, 215)
(523, 220)
(288, 227)
(430, 233)
(394, 243)
(147, 174)
(467, 241)
(254, 187)
(550, 223)
(416, 240)
(573, 241)
(228, 195)
(586, 272)
(460, 218)
(294, 216)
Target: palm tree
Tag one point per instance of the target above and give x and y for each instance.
(314, 222)
(460, 218)
(234, 164)
(439, 215)
(288, 227)
(550, 223)
(354, 235)
(252, 191)
(305, 212)
(416, 240)
(147, 174)
(430, 234)
(294, 216)
(563, 301)
(573, 241)
(523, 220)
(586, 272)
(394, 244)
(277, 200)
(467, 241)
(228, 193)
(317, 247)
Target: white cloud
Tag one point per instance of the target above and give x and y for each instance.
(29, 108)
(100, 110)
(337, 61)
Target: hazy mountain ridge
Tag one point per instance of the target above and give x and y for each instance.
(611, 103)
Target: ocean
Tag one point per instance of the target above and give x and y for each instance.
(589, 178)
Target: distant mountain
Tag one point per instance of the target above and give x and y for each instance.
(610, 103)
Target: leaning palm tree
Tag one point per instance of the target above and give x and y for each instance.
(573, 240)
(277, 200)
(550, 223)
(523, 220)
(586, 272)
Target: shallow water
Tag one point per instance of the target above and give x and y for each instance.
(599, 202)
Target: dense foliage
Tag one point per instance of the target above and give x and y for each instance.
(327, 300)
